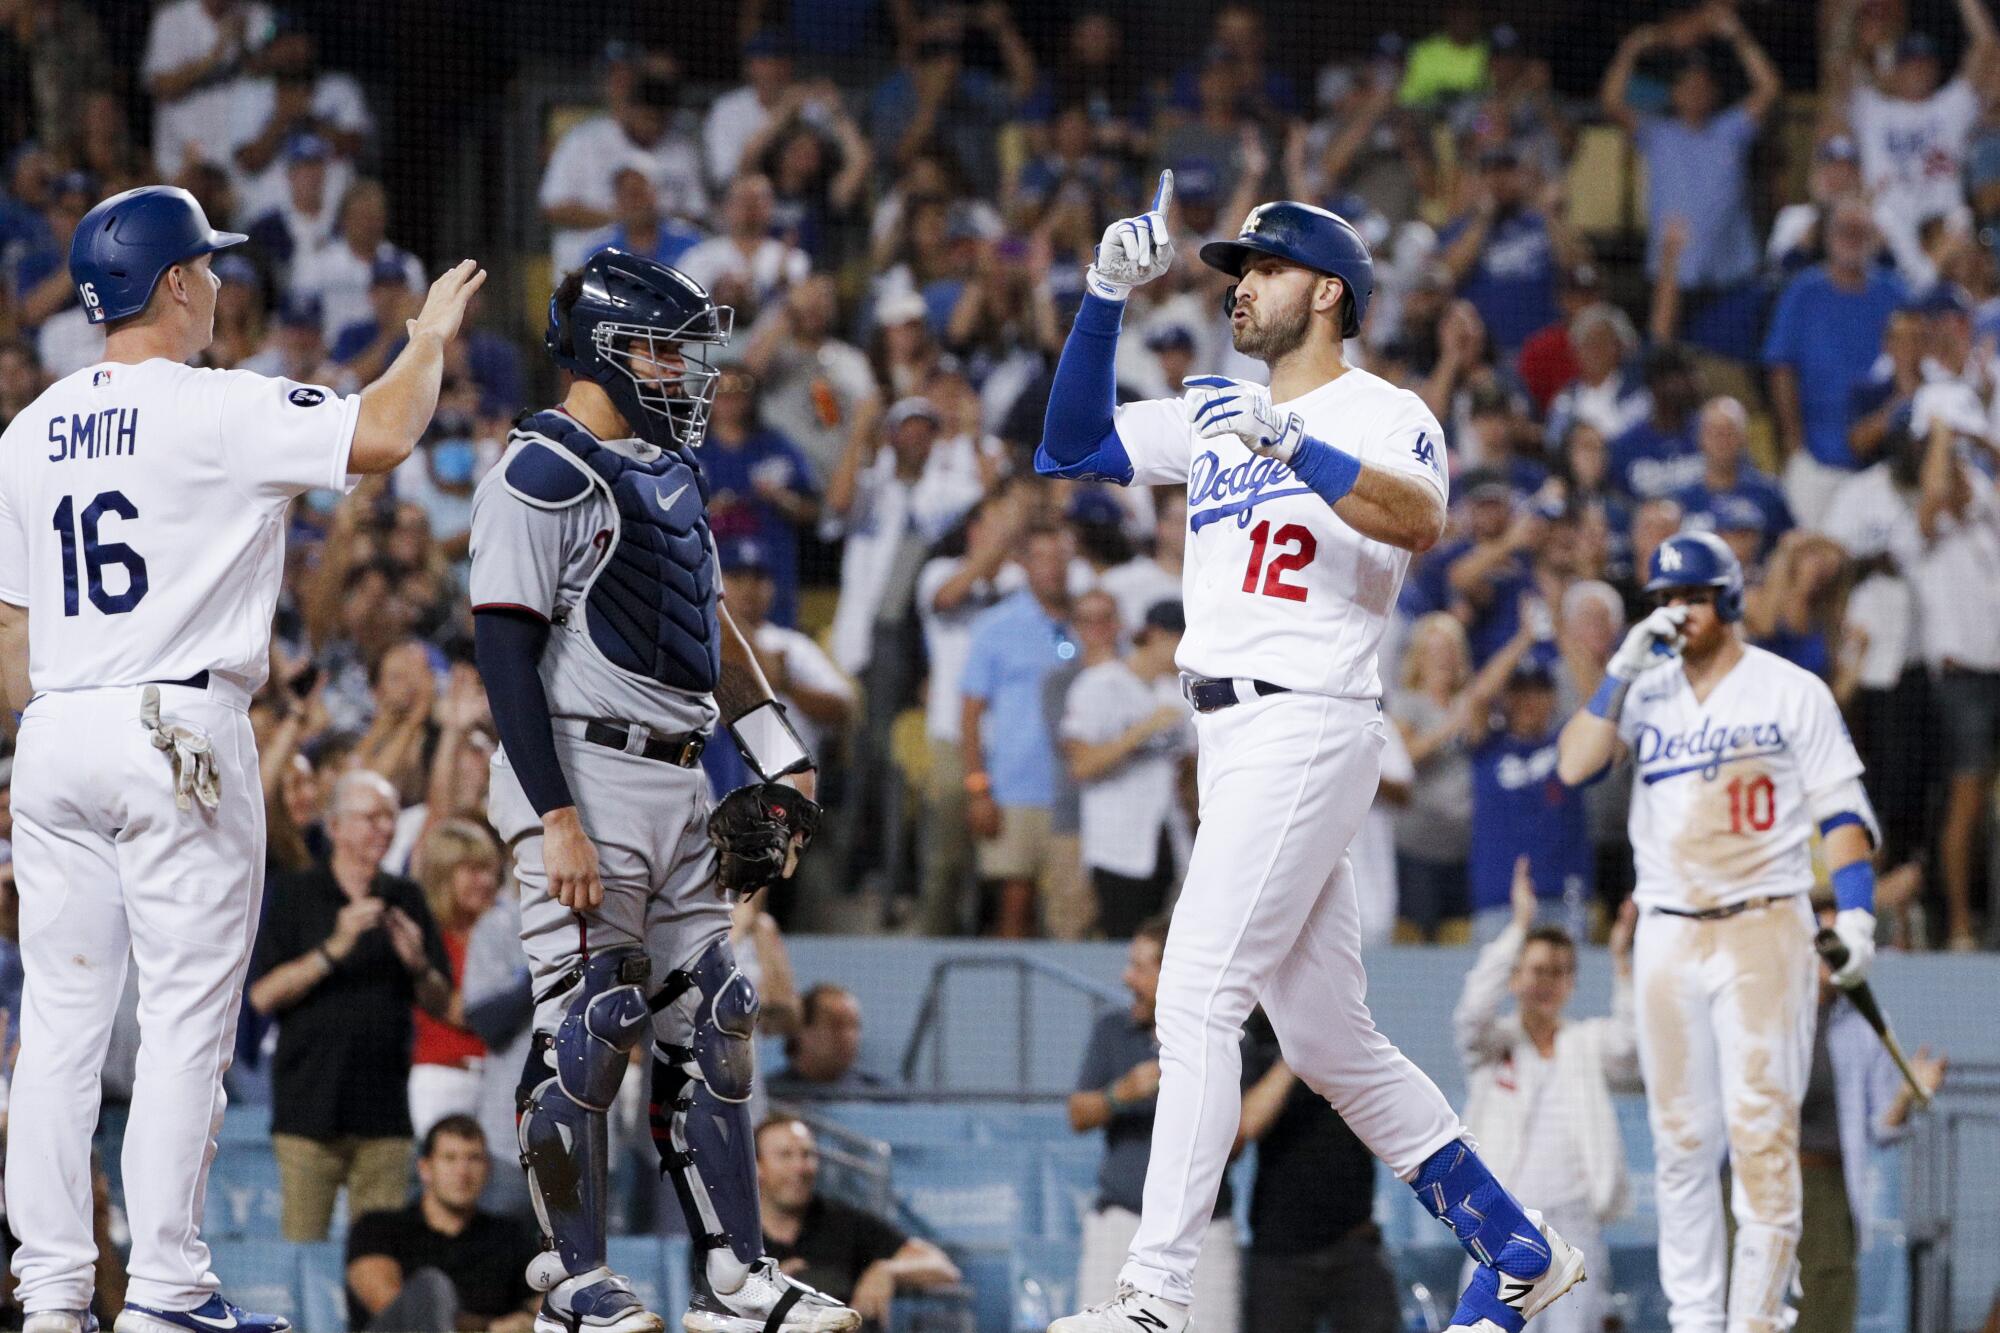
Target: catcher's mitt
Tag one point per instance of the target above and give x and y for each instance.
(759, 831)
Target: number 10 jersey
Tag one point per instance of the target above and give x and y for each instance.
(1723, 787)
(1276, 586)
(142, 517)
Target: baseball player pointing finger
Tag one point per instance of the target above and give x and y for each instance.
(1305, 500)
(142, 541)
(1739, 756)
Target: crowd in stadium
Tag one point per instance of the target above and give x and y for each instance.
(982, 659)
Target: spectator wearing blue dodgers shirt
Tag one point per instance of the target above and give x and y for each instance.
(1009, 750)
(1505, 254)
(1658, 456)
(1483, 574)
(1698, 170)
(640, 226)
(760, 488)
(1825, 335)
(1729, 483)
(1520, 808)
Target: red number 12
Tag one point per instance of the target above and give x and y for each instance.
(1304, 547)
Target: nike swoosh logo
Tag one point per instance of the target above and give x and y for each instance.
(204, 1320)
(667, 501)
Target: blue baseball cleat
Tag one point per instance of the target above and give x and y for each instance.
(213, 1315)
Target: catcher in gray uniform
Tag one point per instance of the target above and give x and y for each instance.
(609, 662)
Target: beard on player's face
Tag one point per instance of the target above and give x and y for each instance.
(1275, 325)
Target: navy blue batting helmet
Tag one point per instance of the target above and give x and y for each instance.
(1698, 560)
(1308, 236)
(643, 331)
(123, 245)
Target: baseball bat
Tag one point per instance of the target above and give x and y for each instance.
(1863, 999)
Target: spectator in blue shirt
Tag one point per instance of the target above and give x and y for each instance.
(1697, 170)
(934, 97)
(760, 487)
(1506, 255)
(1658, 456)
(1890, 388)
(365, 347)
(1520, 808)
(1728, 481)
(1824, 337)
(1237, 39)
(641, 227)
(39, 273)
(1010, 754)
(1486, 572)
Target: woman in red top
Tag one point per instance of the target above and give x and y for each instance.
(458, 864)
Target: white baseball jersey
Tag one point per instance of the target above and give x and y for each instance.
(142, 517)
(1276, 587)
(1721, 808)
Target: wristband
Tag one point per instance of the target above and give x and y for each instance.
(326, 956)
(768, 744)
(1329, 472)
(1609, 699)
(1854, 886)
(1118, 1104)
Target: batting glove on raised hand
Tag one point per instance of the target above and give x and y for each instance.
(1856, 928)
(1652, 640)
(1223, 406)
(1134, 250)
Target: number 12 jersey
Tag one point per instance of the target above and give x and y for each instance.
(1276, 586)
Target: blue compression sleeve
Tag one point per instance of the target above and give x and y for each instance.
(1079, 440)
(1331, 472)
(508, 647)
(1854, 886)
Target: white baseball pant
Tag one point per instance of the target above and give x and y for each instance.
(1726, 1015)
(107, 867)
(1268, 913)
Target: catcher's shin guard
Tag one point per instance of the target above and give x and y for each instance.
(562, 1128)
(699, 1113)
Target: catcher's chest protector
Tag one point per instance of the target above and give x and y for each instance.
(650, 608)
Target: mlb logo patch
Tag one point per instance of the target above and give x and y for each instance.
(100, 379)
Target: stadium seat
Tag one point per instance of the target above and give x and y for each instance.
(987, 1197)
(1046, 1123)
(901, 1124)
(243, 1195)
(1042, 1279)
(322, 1286)
(261, 1275)
(642, 1260)
(247, 1122)
(676, 1280)
(1069, 1186)
(1427, 1280)
(988, 1272)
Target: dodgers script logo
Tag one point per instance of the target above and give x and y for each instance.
(1237, 490)
(1705, 749)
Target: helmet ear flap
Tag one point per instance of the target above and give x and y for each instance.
(1229, 301)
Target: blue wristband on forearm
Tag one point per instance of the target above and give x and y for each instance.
(1609, 699)
(1329, 472)
(1854, 886)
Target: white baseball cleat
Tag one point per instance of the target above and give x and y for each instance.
(1531, 1296)
(60, 1321)
(1133, 1311)
(769, 1300)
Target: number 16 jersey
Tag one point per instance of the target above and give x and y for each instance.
(1276, 586)
(142, 517)
(1722, 787)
